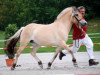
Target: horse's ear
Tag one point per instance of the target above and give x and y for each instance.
(74, 8)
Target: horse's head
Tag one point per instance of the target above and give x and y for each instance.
(77, 17)
(72, 15)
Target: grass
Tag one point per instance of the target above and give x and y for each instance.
(94, 27)
(2, 35)
(1, 38)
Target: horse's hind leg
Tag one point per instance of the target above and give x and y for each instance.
(19, 51)
(54, 57)
(17, 55)
(33, 53)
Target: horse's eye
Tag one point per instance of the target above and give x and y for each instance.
(76, 14)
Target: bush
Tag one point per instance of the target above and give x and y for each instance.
(10, 30)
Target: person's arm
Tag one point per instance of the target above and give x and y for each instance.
(83, 32)
(80, 27)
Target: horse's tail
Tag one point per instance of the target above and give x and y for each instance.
(11, 43)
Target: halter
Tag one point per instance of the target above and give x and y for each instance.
(74, 14)
(80, 21)
(76, 18)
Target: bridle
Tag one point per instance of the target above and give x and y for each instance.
(78, 20)
(75, 15)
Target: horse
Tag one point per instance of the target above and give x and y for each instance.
(53, 34)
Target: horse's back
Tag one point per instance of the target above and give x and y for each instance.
(32, 30)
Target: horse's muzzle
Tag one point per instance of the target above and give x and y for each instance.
(83, 22)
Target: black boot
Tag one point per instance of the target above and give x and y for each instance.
(61, 54)
(92, 62)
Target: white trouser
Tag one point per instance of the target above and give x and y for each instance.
(85, 41)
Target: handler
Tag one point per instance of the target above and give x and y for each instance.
(80, 37)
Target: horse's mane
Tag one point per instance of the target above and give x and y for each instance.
(63, 12)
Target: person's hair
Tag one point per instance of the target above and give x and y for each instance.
(81, 7)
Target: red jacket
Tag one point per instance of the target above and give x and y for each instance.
(78, 33)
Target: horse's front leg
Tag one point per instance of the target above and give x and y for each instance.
(54, 57)
(33, 53)
(63, 44)
(73, 59)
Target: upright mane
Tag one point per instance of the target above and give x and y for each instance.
(63, 12)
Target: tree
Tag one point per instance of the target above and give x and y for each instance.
(22, 12)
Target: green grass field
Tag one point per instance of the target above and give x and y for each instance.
(94, 27)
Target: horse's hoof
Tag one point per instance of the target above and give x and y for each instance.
(12, 68)
(49, 65)
(41, 66)
(75, 65)
(48, 68)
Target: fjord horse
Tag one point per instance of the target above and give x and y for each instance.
(54, 34)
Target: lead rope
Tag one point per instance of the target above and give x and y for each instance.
(77, 44)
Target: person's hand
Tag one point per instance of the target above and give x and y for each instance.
(83, 32)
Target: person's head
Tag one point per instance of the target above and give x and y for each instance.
(81, 9)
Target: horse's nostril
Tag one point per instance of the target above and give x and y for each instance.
(85, 23)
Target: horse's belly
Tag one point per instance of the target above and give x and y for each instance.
(45, 41)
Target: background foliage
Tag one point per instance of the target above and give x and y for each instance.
(22, 12)
(10, 30)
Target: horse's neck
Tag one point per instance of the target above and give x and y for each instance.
(66, 22)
